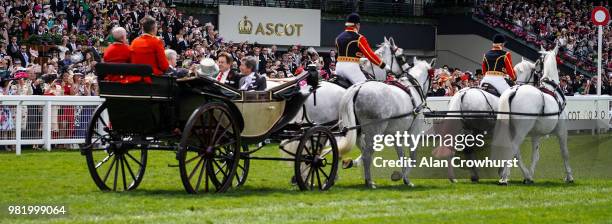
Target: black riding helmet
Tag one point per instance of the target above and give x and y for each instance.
(352, 19)
(499, 39)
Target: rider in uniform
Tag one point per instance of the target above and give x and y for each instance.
(351, 46)
(496, 64)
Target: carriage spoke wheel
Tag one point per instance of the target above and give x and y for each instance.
(113, 167)
(209, 150)
(316, 160)
(242, 171)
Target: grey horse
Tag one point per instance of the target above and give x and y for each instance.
(372, 103)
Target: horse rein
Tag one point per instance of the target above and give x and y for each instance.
(534, 76)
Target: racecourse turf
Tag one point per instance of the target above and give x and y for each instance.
(61, 178)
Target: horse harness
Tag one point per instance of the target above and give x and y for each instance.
(401, 59)
(536, 73)
(417, 108)
(556, 93)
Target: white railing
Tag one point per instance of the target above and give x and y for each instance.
(45, 120)
(588, 112)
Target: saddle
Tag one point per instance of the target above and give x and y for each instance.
(490, 89)
(340, 81)
(560, 97)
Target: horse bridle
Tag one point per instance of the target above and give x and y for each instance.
(401, 60)
(536, 73)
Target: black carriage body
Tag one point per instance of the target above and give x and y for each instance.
(208, 124)
(142, 107)
(156, 108)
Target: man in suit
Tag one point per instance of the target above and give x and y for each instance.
(148, 49)
(57, 5)
(72, 16)
(250, 79)
(169, 38)
(261, 61)
(13, 47)
(226, 75)
(181, 44)
(72, 45)
(24, 56)
(330, 59)
(33, 27)
(274, 54)
(173, 71)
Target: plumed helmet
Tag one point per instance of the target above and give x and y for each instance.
(499, 39)
(352, 19)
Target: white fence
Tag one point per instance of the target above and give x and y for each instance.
(47, 120)
(593, 113)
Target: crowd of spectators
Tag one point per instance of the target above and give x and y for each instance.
(449, 80)
(78, 32)
(566, 23)
(51, 48)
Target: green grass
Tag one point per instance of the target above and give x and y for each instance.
(61, 177)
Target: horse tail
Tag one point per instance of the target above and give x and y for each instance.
(348, 119)
(455, 102)
(504, 103)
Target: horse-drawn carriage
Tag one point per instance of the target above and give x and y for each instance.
(207, 124)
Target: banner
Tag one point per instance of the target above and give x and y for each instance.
(280, 26)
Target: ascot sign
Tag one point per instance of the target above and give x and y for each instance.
(265, 25)
(279, 29)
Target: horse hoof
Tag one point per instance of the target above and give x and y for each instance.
(293, 181)
(346, 164)
(502, 183)
(528, 181)
(370, 185)
(408, 183)
(396, 176)
(569, 181)
(474, 179)
(453, 180)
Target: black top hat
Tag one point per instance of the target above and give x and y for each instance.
(352, 19)
(499, 39)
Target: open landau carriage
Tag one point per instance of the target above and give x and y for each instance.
(207, 124)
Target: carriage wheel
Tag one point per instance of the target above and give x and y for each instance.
(209, 151)
(316, 160)
(113, 167)
(242, 171)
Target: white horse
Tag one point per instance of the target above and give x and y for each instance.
(397, 66)
(372, 103)
(327, 97)
(475, 99)
(530, 100)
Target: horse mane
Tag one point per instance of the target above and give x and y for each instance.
(550, 69)
(420, 65)
(522, 67)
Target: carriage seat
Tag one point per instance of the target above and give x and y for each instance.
(149, 86)
(282, 91)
